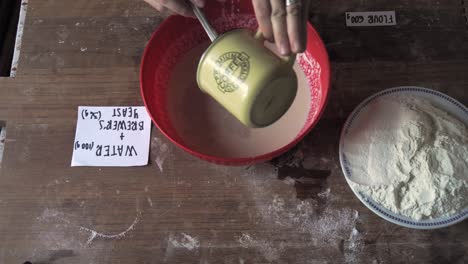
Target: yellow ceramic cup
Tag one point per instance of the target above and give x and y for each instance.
(249, 80)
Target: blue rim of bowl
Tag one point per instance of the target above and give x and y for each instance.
(374, 206)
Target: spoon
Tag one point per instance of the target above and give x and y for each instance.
(212, 34)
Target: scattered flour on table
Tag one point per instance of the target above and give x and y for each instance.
(321, 223)
(2, 142)
(328, 225)
(51, 214)
(161, 151)
(186, 241)
(94, 234)
(410, 156)
(354, 245)
(54, 235)
(270, 251)
(150, 202)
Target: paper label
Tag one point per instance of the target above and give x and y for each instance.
(370, 19)
(111, 136)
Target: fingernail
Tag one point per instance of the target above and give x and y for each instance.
(294, 47)
(284, 49)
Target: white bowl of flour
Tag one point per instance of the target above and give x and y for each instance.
(404, 153)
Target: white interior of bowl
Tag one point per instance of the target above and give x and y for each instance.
(205, 126)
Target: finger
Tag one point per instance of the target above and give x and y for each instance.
(179, 7)
(199, 3)
(305, 19)
(156, 5)
(165, 11)
(295, 27)
(159, 7)
(278, 21)
(262, 10)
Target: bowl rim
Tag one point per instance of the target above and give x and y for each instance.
(325, 65)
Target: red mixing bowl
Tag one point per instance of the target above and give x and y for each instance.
(176, 37)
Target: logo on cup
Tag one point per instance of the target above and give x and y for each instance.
(232, 68)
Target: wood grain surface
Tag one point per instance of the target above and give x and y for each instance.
(296, 209)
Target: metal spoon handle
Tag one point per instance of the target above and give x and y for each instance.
(212, 34)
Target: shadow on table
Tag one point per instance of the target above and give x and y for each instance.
(54, 256)
(308, 182)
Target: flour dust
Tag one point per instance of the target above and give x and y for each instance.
(321, 222)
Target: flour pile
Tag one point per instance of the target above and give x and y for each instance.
(410, 156)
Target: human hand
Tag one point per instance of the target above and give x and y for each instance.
(179, 7)
(284, 22)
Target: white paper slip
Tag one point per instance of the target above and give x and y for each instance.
(370, 19)
(111, 137)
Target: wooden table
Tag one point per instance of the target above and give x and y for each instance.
(296, 210)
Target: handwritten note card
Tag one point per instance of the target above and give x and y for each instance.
(370, 19)
(111, 136)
